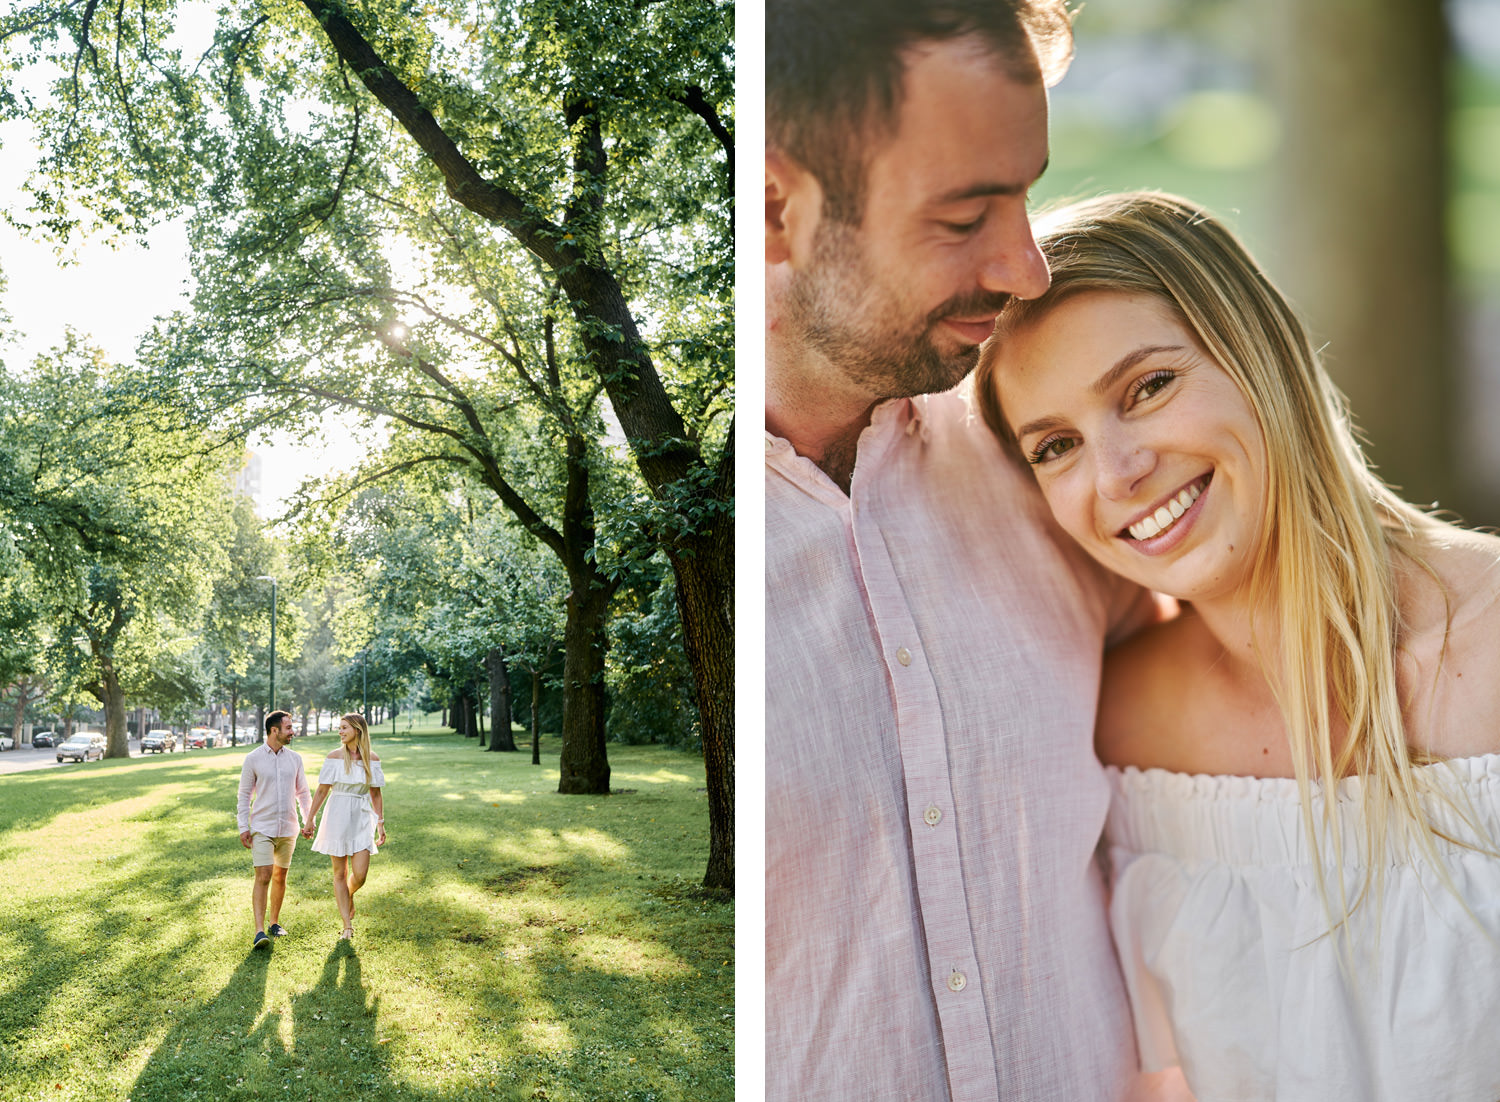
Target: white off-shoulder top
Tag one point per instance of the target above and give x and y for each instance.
(349, 823)
(1231, 971)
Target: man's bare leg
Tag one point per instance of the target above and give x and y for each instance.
(277, 893)
(258, 895)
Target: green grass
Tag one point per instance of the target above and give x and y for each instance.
(512, 943)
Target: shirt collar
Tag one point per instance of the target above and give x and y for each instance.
(907, 415)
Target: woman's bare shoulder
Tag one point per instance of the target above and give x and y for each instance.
(1449, 657)
(1136, 706)
(1145, 706)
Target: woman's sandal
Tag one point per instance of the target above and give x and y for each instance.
(348, 934)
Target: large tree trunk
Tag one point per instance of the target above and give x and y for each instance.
(1363, 193)
(113, 697)
(705, 600)
(585, 762)
(463, 712)
(26, 691)
(501, 737)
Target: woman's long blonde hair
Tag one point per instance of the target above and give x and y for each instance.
(1331, 530)
(357, 721)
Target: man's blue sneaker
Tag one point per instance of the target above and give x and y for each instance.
(277, 930)
(261, 941)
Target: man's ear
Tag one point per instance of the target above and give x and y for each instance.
(794, 203)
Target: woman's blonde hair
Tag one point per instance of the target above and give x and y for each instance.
(1325, 569)
(362, 729)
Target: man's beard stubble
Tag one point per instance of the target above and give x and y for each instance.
(839, 308)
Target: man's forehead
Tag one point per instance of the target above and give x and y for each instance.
(966, 128)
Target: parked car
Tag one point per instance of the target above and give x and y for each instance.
(156, 742)
(202, 738)
(45, 738)
(7, 743)
(82, 746)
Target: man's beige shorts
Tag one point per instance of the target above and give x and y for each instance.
(265, 850)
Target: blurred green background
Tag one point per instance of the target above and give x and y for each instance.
(1355, 145)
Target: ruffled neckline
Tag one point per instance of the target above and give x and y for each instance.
(1217, 786)
(1258, 821)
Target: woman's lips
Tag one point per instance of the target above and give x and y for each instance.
(1168, 523)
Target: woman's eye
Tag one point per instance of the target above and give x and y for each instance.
(1152, 384)
(1053, 447)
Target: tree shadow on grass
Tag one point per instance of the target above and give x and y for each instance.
(190, 1064)
(228, 1050)
(337, 1047)
(35, 799)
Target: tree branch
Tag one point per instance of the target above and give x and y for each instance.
(463, 180)
(695, 101)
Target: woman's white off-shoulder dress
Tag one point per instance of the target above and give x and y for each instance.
(348, 823)
(1232, 973)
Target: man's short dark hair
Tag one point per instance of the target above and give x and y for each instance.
(273, 720)
(834, 72)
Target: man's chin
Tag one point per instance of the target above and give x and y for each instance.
(944, 372)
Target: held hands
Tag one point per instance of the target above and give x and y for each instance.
(307, 829)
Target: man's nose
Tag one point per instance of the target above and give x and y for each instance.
(1013, 264)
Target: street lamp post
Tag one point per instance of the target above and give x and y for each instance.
(268, 578)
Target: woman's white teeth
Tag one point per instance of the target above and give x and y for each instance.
(1159, 521)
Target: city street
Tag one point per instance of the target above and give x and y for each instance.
(29, 757)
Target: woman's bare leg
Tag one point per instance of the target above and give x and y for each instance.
(359, 870)
(341, 891)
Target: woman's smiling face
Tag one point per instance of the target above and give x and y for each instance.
(1145, 449)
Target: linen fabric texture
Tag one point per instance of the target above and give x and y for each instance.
(935, 916)
(348, 822)
(273, 786)
(1232, 970)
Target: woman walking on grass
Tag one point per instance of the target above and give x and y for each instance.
(354, 825)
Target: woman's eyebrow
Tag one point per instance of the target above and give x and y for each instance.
(1106, 382)
(1100, 386)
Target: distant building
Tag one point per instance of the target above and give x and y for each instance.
(247, 481)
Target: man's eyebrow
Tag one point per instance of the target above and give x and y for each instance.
(986, 188)
(1100, 386)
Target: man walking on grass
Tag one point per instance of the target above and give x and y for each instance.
(273, 786)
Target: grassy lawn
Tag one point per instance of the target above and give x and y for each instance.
(512, 943)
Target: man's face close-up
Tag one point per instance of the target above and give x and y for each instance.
(902, 301)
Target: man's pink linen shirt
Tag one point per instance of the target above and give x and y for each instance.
(935, 917)
(279, 785)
